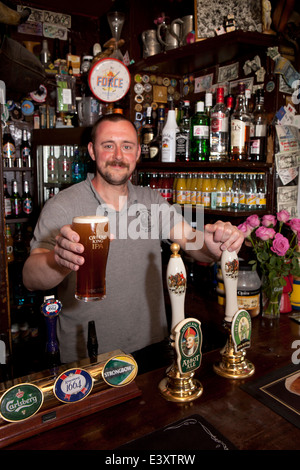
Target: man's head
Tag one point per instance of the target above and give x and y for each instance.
(114, 147)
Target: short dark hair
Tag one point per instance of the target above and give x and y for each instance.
(115, 117)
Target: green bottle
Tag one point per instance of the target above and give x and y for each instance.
(199, 135)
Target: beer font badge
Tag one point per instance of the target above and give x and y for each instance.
(21, 402)
(109, 80)
(119, 371)
(188, 345)
(51, 307)
(73, 385)
(241, 330)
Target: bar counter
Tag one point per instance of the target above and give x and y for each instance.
(246, 422)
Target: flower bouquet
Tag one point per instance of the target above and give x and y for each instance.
(274, 240)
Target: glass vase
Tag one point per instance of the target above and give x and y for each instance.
(271, 296)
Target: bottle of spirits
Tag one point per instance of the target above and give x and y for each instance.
(77, 166)
(25, 150)
(258, 138)
(168, 150)
(52, 167)
(9, 148)
(199, 135)
(16, 201)
(27, 202)
(147, 135)
(183, 136)
(64, 167)
(240, 128)
(155, 144)
(7, 201)
(208, 103)
(219, 122)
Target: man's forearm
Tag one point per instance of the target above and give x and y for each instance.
(41, 272)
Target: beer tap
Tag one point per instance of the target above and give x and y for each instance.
(237, 324)
(179, 385)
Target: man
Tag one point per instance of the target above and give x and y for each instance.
(132, 316)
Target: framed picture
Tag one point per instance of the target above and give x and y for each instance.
(210, 17)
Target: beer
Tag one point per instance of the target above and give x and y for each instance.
(91, 276)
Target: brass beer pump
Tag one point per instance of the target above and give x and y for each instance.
(233, 364)
(179, 385)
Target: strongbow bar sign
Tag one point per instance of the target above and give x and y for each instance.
(119, 371)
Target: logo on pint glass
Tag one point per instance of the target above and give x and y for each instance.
(21, 402)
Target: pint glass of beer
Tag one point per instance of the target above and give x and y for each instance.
(95, 237)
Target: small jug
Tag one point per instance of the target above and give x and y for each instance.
(150, 43)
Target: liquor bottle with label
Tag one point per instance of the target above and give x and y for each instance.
(52, 167)
(168, 144)
(27, 202)
(64, 166)
(219, 122)
(77, 166)
(155, 144)
(199, 135)
(183, 135)
(7, 200)
(25, 150)
(9, 244)
(9, 148)
(258, 139)
(250, 192)
(147, 135)
(16, 200)
(208, 102)
(240, 128)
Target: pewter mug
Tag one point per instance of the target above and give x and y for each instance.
(185, 27)
(150, 43)
(170, 40)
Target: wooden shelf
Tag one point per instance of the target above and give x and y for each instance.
(206, 53)
(236, 166)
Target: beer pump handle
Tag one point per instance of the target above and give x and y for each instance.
(230, 271)
(176, 282)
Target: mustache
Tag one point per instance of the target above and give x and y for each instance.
(117, 163)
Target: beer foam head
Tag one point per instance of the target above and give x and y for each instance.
(90, 219)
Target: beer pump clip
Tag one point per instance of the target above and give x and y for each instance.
(234, 364)
(179, 384)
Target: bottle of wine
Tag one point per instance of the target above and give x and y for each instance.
(240, 128)
(199, 135)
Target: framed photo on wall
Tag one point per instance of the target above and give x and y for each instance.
(210, 16)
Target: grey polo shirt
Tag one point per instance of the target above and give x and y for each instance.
(132, 315)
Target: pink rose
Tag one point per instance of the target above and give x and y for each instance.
(283, 216)
(265, 233)
(295, 225)
(280, 245)
(269, 220)
(245, 228)
(253, 221)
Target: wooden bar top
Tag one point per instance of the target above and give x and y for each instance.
(242, 419)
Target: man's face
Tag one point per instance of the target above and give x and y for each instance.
(116, 151)
(190, 342)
